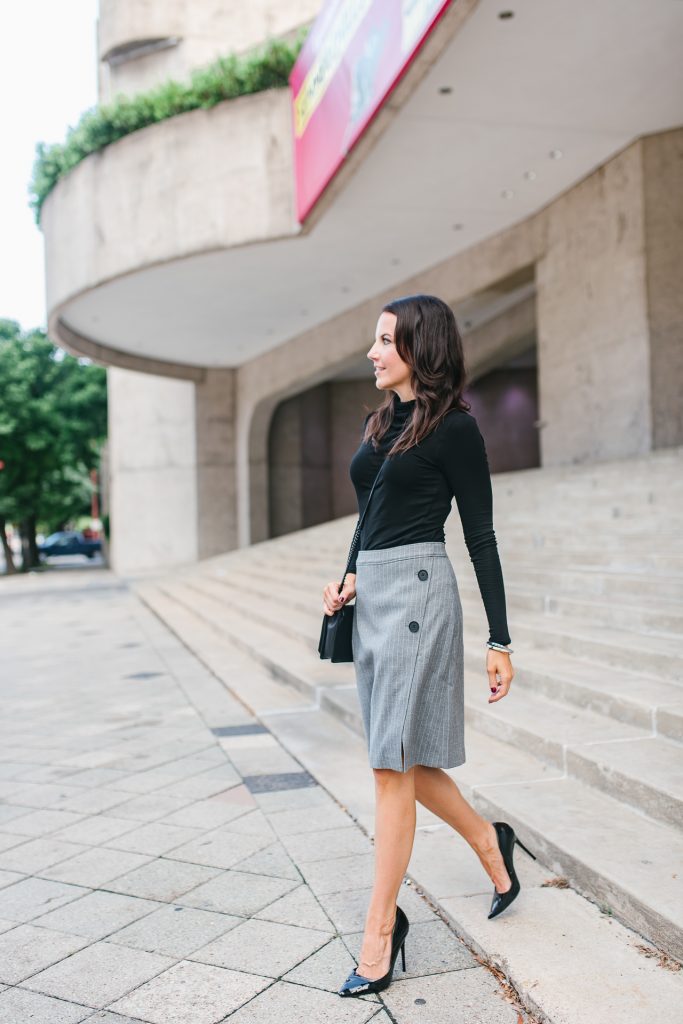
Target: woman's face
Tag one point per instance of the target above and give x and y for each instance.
(390, 370)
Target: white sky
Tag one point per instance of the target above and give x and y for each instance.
(48, 77)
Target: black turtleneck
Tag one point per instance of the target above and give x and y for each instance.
(412, 500)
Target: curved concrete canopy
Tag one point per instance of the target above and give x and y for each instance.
(533, 104)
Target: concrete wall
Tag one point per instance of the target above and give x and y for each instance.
(610, 309)
(202, 32)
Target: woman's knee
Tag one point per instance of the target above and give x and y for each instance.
(389, 778)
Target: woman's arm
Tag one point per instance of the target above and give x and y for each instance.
(465, 464)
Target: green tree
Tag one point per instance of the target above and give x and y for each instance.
(53, 421)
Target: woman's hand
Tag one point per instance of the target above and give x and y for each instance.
(333, 600)
(500, 672)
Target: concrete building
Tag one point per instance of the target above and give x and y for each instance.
(527, 168)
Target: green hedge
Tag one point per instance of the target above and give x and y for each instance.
(228, 77)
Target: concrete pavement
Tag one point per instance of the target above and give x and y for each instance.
(163, 858)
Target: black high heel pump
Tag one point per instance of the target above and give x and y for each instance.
(357, 985)
(506, 842)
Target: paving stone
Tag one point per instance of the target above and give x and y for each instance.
(100, 828)
(252, 823)
(28, 949)
(142, 781)
(47, 773)
(431, 947)
(191, 993)
(7, 842)
(210, 813)
(348, 909)
(95, 866)
(150, 806)
(9, 878)
(289, 1003)
(175, 931)
(328, 968)
(98, 974)
(29, 822)
(257, 761)
(262, 947)
(31, 897)
(163, 879)
(107, 1017)
(340, 873)
(237, 892)
(94, 801)
(205, 784)
(456, 997)
(298, 907)
(97, 777)
(293, 822)
(32, 857)
(291, 799)
(279, 781)
(44, 794)
(220, 849)
(272, 860)
(307, 847)
(97, 914)
(154, 838)
(6, 925)
(18, 1006)
(9, 813)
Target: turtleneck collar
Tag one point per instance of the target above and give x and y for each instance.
(403, 408)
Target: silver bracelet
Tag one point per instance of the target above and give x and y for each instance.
(499, 647)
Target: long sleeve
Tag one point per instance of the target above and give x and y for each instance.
(465, 464)
(352, 566)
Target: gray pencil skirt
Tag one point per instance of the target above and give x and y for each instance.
(408, 656)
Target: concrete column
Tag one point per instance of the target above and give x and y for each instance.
(610, 311)
(152, 458)
(663, 200)
(216, 481)
(172, 469)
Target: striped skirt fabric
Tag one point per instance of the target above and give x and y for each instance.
(408, 656)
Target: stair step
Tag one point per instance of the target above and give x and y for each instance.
(573, 828)
(611, 853)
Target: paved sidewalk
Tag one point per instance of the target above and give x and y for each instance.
(163, 858)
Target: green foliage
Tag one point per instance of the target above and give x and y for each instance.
(53, 420)
(225, 79)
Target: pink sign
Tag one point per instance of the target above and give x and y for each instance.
(353, 57)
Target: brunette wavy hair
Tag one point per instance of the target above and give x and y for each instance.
(428, 340)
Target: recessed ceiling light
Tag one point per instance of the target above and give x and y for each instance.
(504, 15)
(345, 288)
(458, 227)
(507, 193)
(303, 312)
(395, 261)
(445, 89)
(530, 175)
(555, 154)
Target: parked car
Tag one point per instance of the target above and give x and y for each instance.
(69, 542)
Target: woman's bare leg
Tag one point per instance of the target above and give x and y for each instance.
(440, 794)
(394, 836)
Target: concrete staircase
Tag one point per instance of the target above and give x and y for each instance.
(585, 756)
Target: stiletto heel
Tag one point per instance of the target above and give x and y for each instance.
(519, 841)
(506, 842)
(357, 985)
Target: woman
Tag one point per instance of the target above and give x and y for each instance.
(407, 629)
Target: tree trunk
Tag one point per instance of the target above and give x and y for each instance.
(10, 567)
(29, 546)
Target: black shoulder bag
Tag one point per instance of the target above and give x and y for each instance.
(335, 635)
